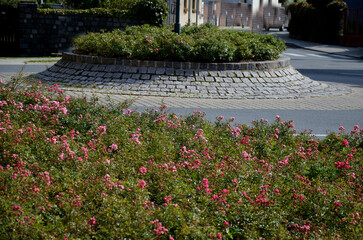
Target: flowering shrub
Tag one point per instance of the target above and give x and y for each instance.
(73, 169)
(202, 44)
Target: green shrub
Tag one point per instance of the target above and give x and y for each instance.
(83, 4)
(13, 3)
(118, 4)
(153, 12)
(204, 44)
(99, 12)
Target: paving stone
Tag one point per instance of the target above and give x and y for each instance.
(126, 75)
(136, 76)
(273, 74)
(231, 74)
(223, 84)
(247, 74)
(203, 74)
(254, 74)
(278, 73)
(130, 80)
(116, 75)
(145, 76)
(219, 79)
(191, 87)
(222, 74)
(190, 79)
(108, 75)
(209, 79)
(262, 74)
(214, 84)
(142, 70)
(179, 72)
(169, 71)
(213, 73)
(189, 72)
(155, 78)
(182, 79)
(151, 70)
(160, 71)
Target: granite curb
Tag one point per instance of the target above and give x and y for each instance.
(252, 66)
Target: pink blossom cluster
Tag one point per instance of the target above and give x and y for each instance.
(199, 136)
(159, 228)
(135, 137)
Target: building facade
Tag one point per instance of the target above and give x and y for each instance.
(246, 13)
(191, 11)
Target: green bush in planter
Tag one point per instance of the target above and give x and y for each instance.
(199, 44)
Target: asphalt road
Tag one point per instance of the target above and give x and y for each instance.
(327, 67)
(27, 68)
(317, 66)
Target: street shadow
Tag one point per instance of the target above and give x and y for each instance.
(350, 77)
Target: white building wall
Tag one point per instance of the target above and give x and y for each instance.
(188, 11)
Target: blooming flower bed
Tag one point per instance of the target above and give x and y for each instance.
(73, 169)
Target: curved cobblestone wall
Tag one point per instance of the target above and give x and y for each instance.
(268, 79)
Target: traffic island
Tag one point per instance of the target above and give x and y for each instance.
(241, 80)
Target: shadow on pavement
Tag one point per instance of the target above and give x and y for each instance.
(351, 77)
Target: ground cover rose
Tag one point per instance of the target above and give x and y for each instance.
(72, 168)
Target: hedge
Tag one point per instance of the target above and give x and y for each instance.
(200, 44)
(317, 21)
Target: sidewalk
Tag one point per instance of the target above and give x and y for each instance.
(330, 49)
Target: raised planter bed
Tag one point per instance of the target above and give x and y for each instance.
(265, 79)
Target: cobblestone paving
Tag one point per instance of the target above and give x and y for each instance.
(352, 101)
(282, 83)
(307, 94)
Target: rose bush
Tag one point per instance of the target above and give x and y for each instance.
(74, 169)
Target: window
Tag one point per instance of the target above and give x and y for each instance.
(185, 3)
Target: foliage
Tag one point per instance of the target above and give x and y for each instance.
(13, 3)
(71, 168)
(151, 11)
(204, 44)
(317, 20)
(284, 2)
(118, 4)
(100, 12)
